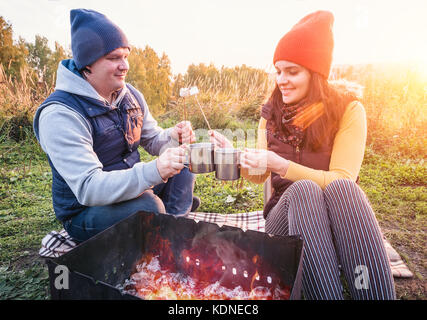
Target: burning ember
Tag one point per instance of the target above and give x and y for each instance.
(206, 268)
(151, 282)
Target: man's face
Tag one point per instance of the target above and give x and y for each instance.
(108, 73)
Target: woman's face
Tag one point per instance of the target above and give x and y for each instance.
(293, 81)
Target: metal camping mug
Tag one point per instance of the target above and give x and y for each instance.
(200, 157)
(227, 163)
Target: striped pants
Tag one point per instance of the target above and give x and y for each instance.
(339, 228)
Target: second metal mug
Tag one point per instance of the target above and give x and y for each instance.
(227, 163)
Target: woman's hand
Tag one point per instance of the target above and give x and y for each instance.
(219, 140)
(258, 161)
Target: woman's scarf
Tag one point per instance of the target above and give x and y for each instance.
(295, 119)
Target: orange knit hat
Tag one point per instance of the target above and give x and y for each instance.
(309, 43)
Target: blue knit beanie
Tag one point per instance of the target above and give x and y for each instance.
(93, 35)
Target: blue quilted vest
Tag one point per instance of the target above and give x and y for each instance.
(116, 133)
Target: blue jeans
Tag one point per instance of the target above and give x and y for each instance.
(173, 197)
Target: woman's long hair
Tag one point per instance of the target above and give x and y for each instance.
(325, 127)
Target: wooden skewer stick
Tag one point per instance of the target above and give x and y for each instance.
(185, 111)
(185, 119)
(201, 109)
(241, 183)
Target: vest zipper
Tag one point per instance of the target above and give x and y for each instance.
(121, 127)
(298, 153)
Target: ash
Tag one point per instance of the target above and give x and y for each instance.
(151, 282)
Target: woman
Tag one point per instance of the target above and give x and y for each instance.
(311, 141)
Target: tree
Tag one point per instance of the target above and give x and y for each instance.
(12, 56)
(52, 65)
(39, 54)
(44, 60)
(151, 75)
(178, 83)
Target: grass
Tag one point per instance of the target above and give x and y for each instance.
(396, 189)
(25, 216)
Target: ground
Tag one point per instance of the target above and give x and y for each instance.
(396, 189)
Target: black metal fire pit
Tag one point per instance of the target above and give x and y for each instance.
(97, 268)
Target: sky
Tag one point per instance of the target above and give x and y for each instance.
(235, 32)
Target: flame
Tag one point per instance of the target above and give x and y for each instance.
(255, 259)
(255, 277)
(203, 269)
(152, 282)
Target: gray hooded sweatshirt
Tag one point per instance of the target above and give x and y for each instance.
(66, 137)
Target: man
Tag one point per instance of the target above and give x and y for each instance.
(91, 127)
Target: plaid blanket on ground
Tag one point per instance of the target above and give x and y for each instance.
(55, 244)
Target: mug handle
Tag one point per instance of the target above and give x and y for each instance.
(187, 156)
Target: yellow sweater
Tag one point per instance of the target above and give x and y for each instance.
(347, 151)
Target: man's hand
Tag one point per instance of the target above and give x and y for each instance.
(171, 162)
(183, 132)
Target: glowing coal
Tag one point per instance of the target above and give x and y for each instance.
(157, 255)
(151, 282)
(207, 267)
